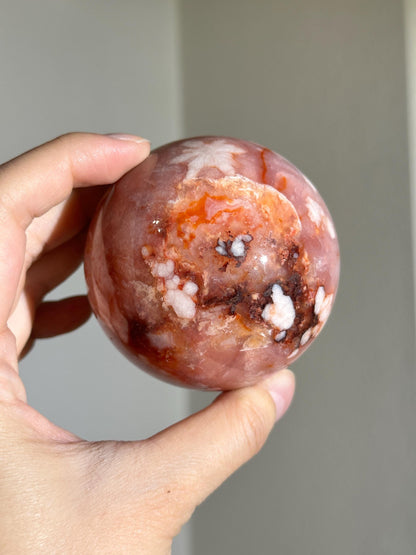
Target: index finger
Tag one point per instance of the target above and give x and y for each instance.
(34, 182)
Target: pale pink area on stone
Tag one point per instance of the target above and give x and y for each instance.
(213, 263)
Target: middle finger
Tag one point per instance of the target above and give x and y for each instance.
(61, 223)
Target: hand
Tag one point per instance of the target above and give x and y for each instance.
(59, 493)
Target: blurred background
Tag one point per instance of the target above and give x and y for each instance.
(331, 85)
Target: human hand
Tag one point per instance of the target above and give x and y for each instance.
(59, 493)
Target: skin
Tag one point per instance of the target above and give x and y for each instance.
(58, 492)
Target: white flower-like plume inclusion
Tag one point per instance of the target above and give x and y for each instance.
(280, 313)
(199, 155)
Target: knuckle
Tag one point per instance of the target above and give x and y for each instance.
(69, 137)
(11, 386)
(254, 420)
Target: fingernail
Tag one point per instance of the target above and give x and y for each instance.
(281, 387)
(126, 137)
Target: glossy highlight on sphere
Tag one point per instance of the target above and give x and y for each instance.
(213, 263)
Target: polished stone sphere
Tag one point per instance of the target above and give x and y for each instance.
(213, 263)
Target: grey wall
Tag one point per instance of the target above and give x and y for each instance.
(91, 66)
(410, 36)
(323, 83)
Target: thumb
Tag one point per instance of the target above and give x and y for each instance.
(206, 448)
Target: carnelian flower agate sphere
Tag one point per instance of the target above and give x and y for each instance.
(213, 263)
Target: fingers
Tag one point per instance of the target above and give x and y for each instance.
(33, 183)
(54, 318)
(62, 222)
(205, 449)
(54, 267)
(57, 317)
(43, 178)
(43, 276)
